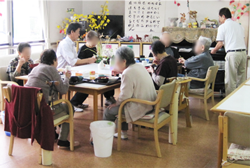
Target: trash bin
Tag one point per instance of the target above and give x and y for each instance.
(2, 114)
(102, 133)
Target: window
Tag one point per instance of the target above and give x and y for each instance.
(3, 22)
(20, 21)
(27, 21)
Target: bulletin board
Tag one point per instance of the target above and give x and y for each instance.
(144, 16)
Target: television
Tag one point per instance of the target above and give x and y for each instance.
(114, 27)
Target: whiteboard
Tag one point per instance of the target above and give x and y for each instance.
(144, 15)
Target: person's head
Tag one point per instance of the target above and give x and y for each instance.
(92, 38)
(158, 50)
(224, 14)
(166, 39)
(24, 51)
(73, 31)
(49, 57)
(202, 45)
(124, 57)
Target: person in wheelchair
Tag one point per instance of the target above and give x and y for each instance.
(46, 71)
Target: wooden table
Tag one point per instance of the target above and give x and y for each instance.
(237, 102)
(87, 88)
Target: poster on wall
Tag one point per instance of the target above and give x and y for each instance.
(144, 16)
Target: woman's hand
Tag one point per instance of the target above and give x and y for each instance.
(150, 69)
(181, 60)
(111, 106)
(68, 74)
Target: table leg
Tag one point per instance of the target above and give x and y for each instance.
(95, 105)
(174, 110)
(220, 138)
(68, 95)
(101, 100)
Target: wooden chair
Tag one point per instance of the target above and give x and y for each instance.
(64, 119)
(236, 129)
(164, 99)
(2, 84)
(209, 80)
(183, 101)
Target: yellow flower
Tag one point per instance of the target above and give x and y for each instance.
(107, 10)
(99, 17)
(107, 13)
(69, 20)
(66, 19)
(58, 26)
(107, 1)
(108, 20)
(77, 20)
(105, 17)
(105, 24)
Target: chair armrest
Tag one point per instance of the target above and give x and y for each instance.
(198, 79)
(68, 104)
(160, 92)
(7, 82)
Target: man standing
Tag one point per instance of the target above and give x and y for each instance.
(231, 35)
(67, 56)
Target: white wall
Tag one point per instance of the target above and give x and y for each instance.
(115, 7)
(57, 13)
(204, 9)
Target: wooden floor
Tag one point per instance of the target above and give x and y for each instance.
(196, 146)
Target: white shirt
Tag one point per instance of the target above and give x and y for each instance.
(66, 53)
(232, 34)
(136, 83)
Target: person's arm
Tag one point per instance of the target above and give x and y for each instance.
(220, 39)
(14, 69)
(158, 79)
(63, 84)
(217, 47)
(193, 62)
(126, 89)
(85, 61)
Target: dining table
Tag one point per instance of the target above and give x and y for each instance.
(88, 88)
(236, 102)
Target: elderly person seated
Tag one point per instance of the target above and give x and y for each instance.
(46, 71)
(135, 83)
(167, 65)
(167, 41)
(199, 64)
(20, 65)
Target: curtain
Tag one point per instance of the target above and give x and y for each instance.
(45, 21)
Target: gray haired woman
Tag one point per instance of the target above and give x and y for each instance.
(200, 63)
(135, 83)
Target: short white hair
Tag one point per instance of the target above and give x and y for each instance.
(205, 41)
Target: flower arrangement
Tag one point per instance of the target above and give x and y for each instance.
(239, 9)
(95, 22)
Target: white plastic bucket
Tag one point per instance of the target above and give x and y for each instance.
(103, 134)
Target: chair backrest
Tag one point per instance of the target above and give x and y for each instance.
(211, 75)
(168, 92)
(7, 95)
(238, 128)
(2, 84)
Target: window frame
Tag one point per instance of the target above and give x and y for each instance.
(10, 27)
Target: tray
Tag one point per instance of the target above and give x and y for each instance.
(118, 80)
